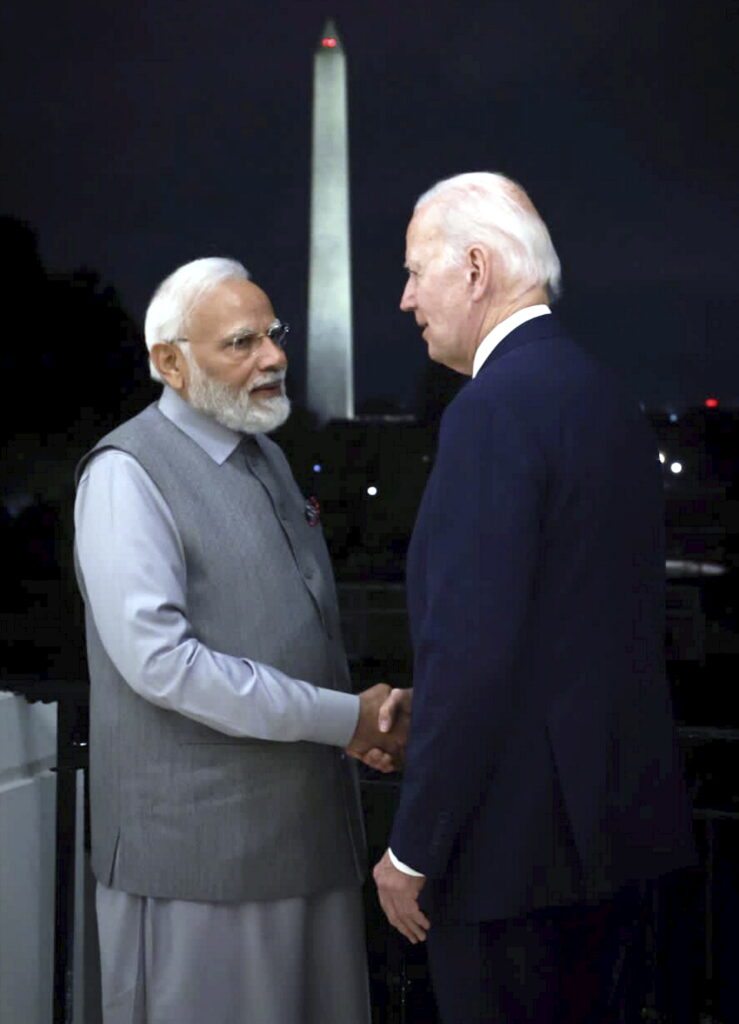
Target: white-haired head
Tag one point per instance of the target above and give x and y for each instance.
(495, 211)
(179, 294)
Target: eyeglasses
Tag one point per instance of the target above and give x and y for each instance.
(246, 342)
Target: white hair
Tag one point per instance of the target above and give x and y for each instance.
(494, 210)
(177, 296)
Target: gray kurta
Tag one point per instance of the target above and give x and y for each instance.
(295, 961)
(288, 947)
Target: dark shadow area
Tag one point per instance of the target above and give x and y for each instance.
(76, 368)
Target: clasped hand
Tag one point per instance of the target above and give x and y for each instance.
(381, 734)
(379, 741)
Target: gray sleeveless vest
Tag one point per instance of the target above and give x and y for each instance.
(182, 811)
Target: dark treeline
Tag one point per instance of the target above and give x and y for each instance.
(74, 367)
(77, 362)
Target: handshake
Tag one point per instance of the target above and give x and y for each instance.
(381, 734)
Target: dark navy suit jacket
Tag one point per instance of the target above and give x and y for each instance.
(542, 767)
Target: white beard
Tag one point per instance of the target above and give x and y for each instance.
(234, 407)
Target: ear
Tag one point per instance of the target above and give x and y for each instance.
(479, 266)
(168, 359)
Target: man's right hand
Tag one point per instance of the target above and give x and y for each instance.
(397, 705)
(385, 748)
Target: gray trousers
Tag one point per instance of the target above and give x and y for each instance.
(294, 961)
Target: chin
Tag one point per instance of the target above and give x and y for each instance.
(445, 359)
(434, 354)
(267, 415)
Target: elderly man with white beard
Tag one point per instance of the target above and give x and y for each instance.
(227, 841)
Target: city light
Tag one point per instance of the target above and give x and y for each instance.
(317, 468)
(662, 458)
(372, 491)
(673, 417)
(329, 42)
(711, 403)
(689, 567)
(676, 467)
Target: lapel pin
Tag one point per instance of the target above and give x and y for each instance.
(312, 510)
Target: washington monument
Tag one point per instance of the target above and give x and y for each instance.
(330, 370)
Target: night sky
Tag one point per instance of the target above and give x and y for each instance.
(139, 136)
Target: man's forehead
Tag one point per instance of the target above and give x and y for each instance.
(236, 291)
(233, 300)
(424, 234)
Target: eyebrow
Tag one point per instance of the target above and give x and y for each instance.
(241, 331)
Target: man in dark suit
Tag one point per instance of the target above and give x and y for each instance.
(542, 785)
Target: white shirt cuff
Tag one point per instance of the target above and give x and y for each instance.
(403, 867)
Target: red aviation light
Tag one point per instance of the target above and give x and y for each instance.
(328, 42)
(711, 403)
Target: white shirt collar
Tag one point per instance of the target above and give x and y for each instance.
(216, 440)
(504, 328)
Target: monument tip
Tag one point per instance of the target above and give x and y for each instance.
(329, 37)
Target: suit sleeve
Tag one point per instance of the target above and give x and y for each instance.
(481, 528)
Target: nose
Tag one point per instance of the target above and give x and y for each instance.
(408, 298)
(271, 356)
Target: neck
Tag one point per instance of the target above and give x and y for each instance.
(499, 312)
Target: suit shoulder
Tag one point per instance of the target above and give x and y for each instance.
(546, 394)
(553, 374)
